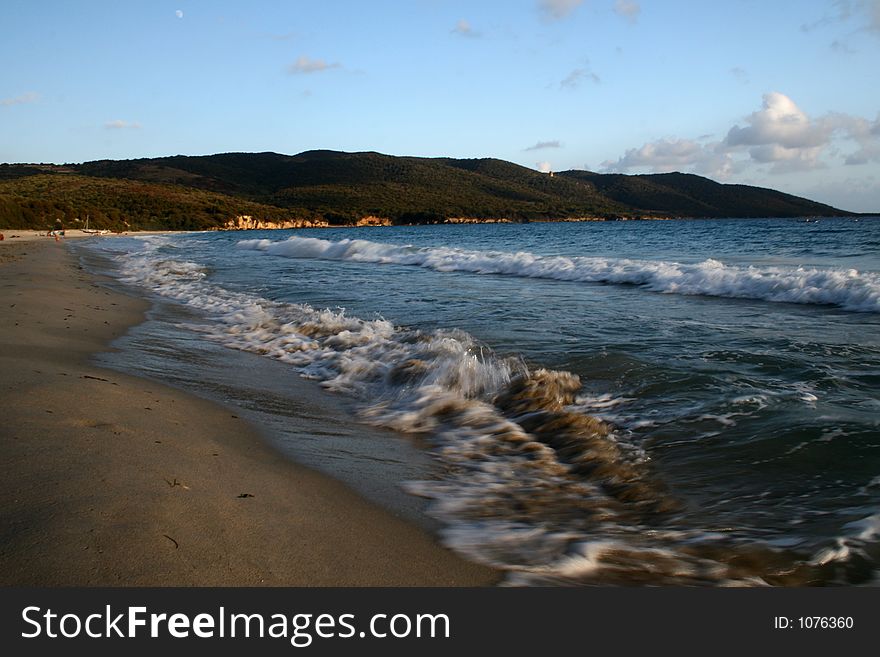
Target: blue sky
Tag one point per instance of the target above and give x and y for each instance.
(777, 93)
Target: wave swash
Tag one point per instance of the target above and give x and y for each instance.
(528, 483)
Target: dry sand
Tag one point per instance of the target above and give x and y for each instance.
(107, 479)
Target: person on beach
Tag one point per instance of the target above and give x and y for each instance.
(58, 231)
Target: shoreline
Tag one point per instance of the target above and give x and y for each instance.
(246, 223)
(110, 479)
(22, 235)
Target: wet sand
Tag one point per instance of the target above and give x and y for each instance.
(108, 479)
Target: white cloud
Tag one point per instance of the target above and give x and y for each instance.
(29, 97)
(119, 124)
(464, 28)
(779, 122)
(860, 194)
(865, 133)
(665, 155)
(557, 9)
(661, 154)
(305, 64)
(578, 75)
(543, 167)
(787, 160)
(628, 10)
(179, 13)
(780, 133)
(544, 144)
(779, 136)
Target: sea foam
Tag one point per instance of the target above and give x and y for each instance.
(530, 481)
(849, 289)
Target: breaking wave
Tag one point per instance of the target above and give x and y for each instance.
(846, 288)
(529, 481)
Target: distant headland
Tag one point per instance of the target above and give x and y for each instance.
(332, 188)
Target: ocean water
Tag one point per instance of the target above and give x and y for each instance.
(638, 403)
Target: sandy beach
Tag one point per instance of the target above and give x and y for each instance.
(108, 479)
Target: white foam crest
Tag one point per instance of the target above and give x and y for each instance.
(873, 484)
(845, 288)
(407, 375)
(154, 240)
(626, 560)
(603, 402)
(861, 532)
(866, 529)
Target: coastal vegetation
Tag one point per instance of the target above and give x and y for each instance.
(336, 188)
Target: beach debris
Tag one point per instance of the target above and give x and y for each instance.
(243, 495)
(173, 483)
(96, 378)
(176, 544)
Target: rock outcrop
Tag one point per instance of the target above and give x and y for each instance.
(247, 222)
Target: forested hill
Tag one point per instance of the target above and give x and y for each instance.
(335, 188)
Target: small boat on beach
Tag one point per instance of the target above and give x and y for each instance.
(93, 231)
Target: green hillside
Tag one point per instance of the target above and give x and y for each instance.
(688, 195)
(41, 201)
(183, 192)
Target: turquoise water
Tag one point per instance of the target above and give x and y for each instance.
(734, 366)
